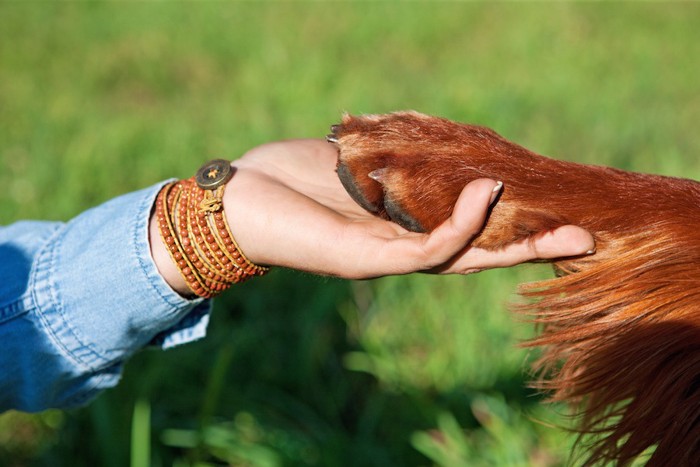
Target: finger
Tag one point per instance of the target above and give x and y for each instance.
(562, 242)
(466, 222)
(423, 251)
(568, 240)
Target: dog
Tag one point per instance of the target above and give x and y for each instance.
(619, 329)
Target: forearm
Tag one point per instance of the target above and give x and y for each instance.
(89, 298)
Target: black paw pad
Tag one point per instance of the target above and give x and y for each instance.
(348, 180)
(401, 217)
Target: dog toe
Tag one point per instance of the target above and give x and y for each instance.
(360, 194)
(399, 215)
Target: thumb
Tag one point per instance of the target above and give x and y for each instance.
(467, 220)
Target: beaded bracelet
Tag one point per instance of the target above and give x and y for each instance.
(193, 226)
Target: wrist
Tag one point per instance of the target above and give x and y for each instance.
(193, 228)
(165, 265)
(239, 202)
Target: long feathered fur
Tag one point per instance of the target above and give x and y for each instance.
(620, 329)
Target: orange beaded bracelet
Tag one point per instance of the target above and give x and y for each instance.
(194, 229)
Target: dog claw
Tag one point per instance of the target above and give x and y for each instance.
(333, 137)
(378, 175)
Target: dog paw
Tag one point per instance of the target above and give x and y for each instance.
(411, 168)
(401, 166)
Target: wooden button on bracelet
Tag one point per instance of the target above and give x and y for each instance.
(193, 226)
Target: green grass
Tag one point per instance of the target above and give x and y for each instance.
(98, 99)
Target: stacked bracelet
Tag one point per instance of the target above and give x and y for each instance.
(193, 226)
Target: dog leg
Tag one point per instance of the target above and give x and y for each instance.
(620, 329)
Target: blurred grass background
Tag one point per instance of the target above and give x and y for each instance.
(99, 98)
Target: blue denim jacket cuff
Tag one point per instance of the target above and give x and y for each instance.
(106, 297)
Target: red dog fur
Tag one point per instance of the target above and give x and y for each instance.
(620, 329)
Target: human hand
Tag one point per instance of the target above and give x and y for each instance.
(286, 207)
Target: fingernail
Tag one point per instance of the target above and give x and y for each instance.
(496, 191)
(590, 252)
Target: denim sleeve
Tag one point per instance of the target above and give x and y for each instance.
(78, 298)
